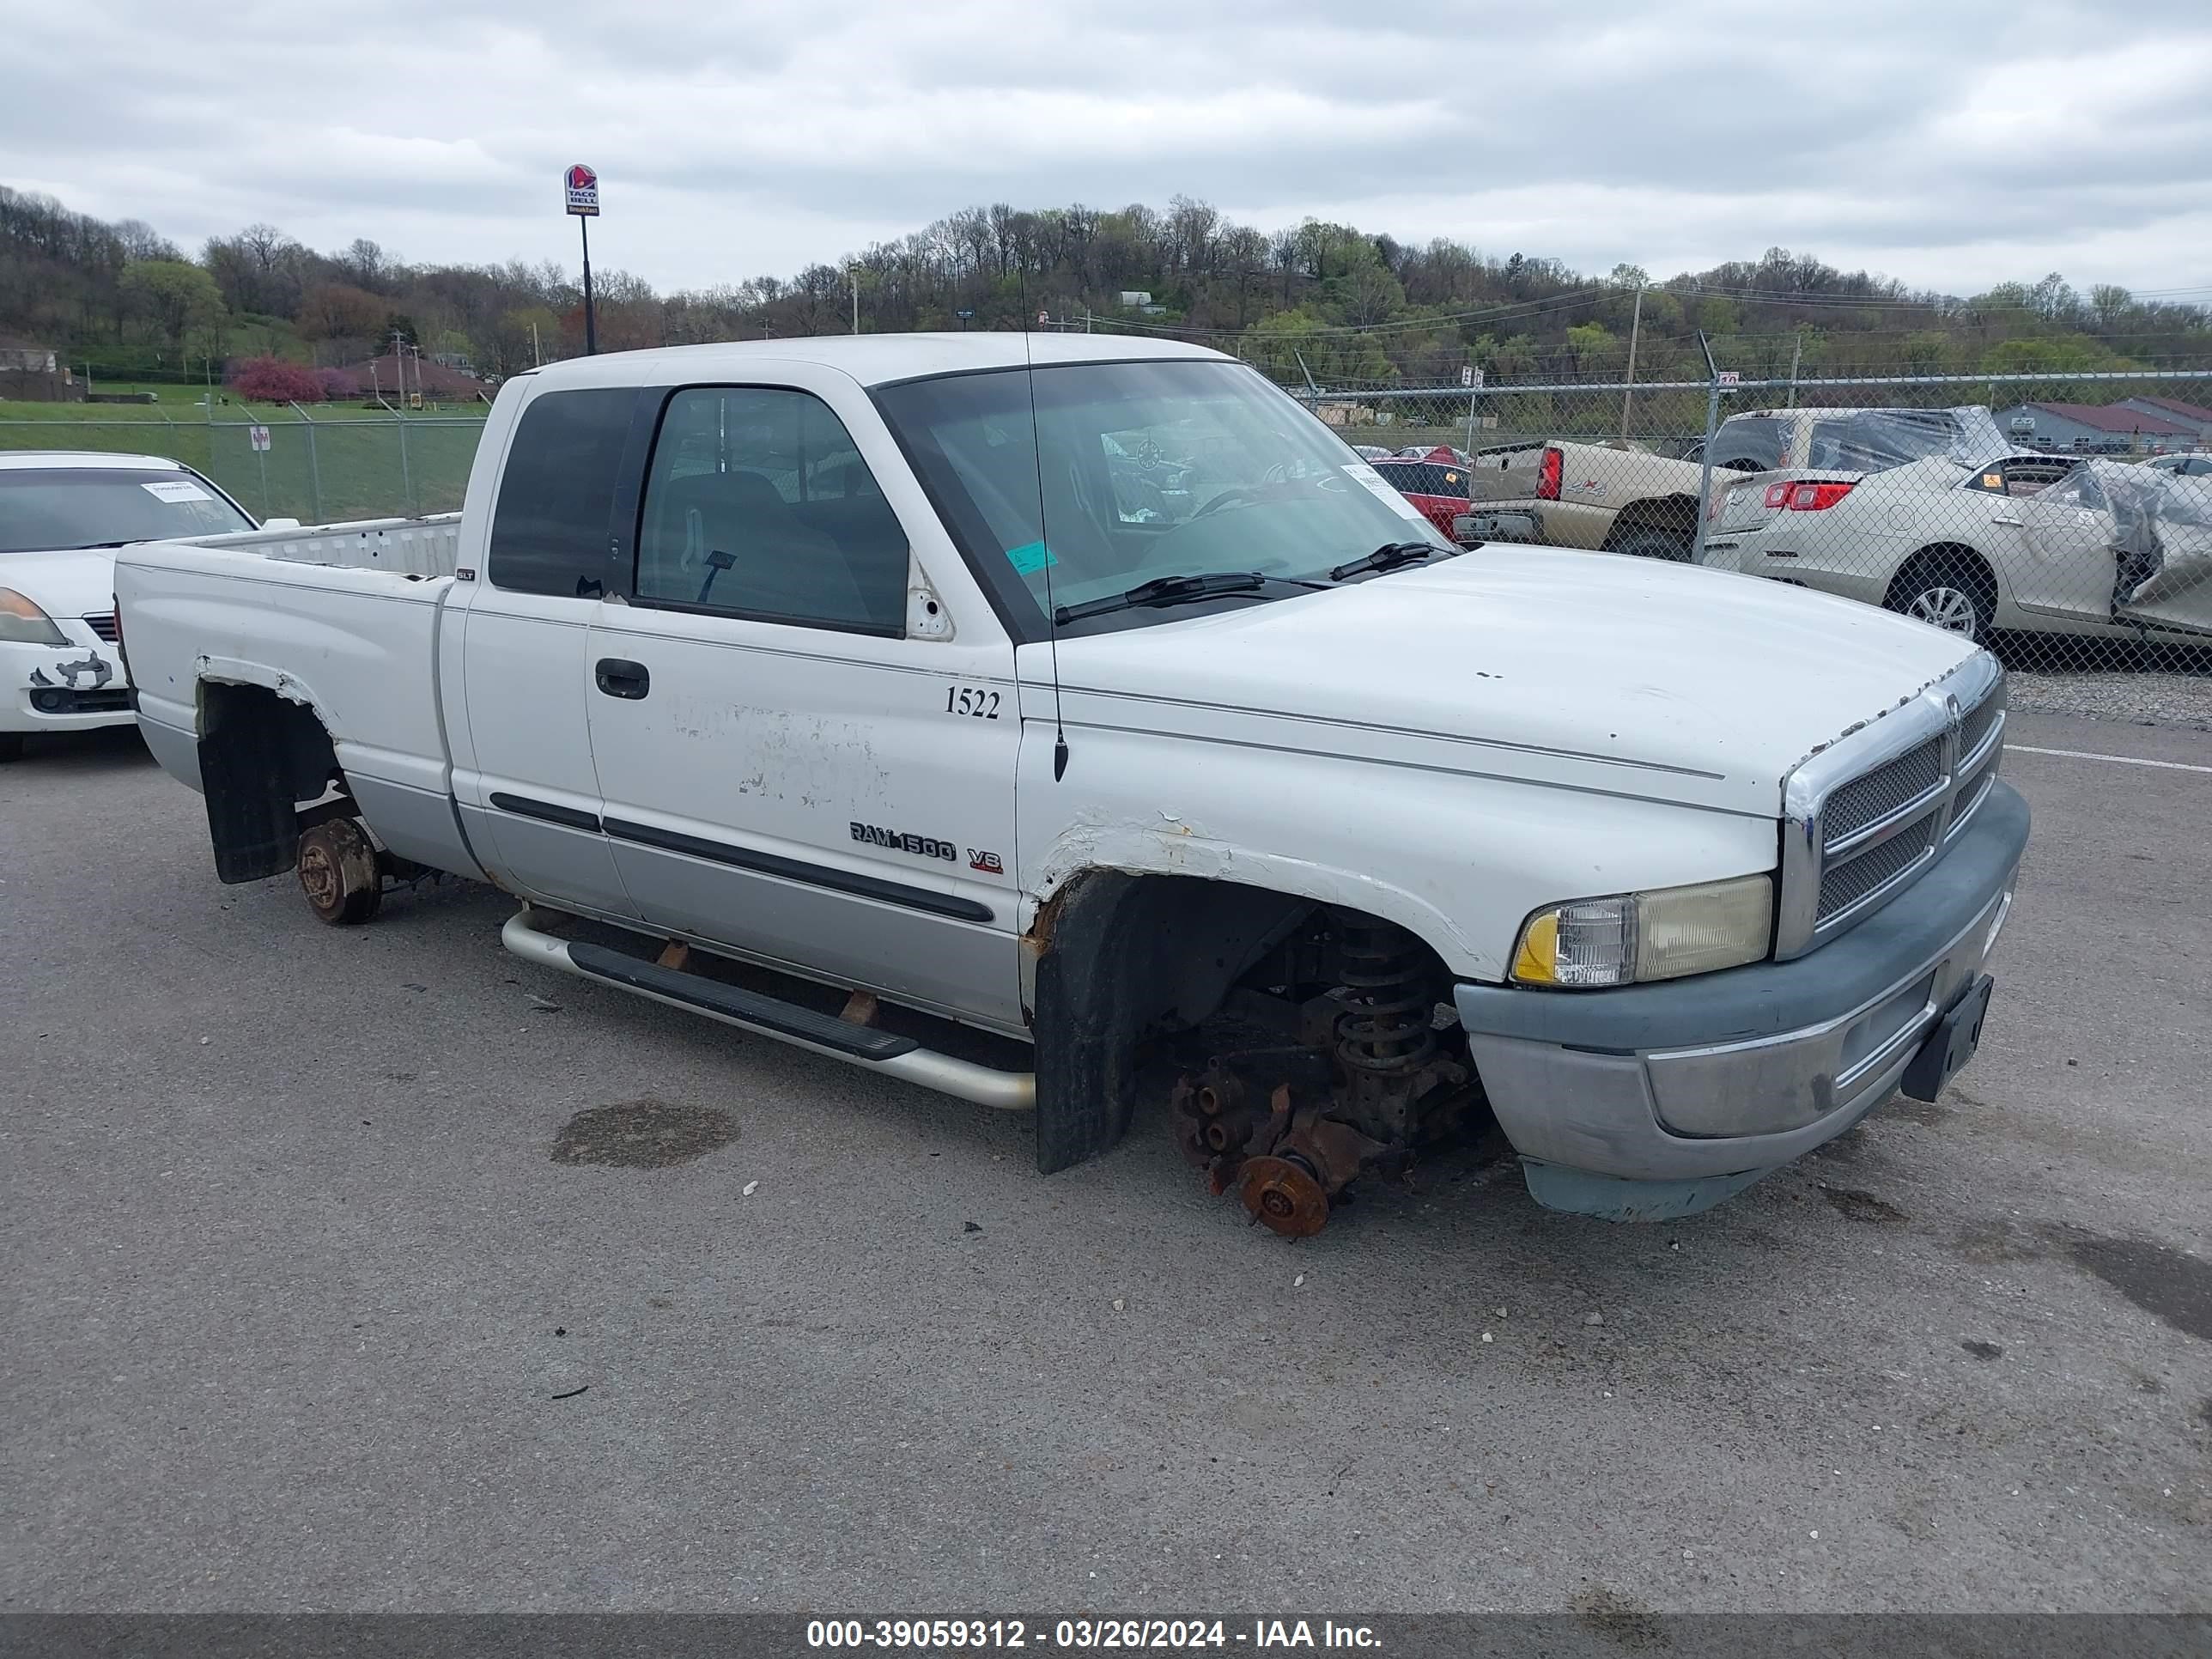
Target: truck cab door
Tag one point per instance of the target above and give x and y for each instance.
(807, 751)
(523, 779)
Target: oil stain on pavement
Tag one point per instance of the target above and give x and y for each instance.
(2163, 1283)
(1864, 1206)
(643, 1134)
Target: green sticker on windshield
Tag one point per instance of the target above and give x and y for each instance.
(1031, 557)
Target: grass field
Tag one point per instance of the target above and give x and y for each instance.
(345, 463)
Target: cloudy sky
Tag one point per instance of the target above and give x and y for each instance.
(1951, 144)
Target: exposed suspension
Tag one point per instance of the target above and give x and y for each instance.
(1289, 1126)
(1386, 1029)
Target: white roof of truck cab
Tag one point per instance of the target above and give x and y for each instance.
(18, 459)
(870, 359)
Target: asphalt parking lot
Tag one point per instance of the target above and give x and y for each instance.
(310, 1302)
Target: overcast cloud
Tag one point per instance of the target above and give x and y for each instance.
(1949, 144)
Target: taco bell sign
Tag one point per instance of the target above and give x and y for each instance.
(583, 190)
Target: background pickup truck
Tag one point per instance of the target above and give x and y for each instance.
(850, 692)
(1593, 495)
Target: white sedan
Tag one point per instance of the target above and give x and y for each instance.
(2038, 544)
(63, 513)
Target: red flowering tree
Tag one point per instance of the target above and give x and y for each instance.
(272, 380)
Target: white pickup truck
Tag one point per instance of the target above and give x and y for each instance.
(840, 688)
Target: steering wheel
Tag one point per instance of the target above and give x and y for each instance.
(1234, 495)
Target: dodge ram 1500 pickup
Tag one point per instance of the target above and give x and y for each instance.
(834, 688)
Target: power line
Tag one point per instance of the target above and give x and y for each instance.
(1571, 301)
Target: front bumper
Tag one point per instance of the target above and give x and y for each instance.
(64, 688)
(1661, 1100)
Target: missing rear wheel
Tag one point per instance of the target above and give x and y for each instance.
(339, 874)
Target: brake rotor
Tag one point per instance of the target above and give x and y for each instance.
(1284, 1194)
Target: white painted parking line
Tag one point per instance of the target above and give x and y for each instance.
(2116, 760)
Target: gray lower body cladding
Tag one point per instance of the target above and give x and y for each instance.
(1662, 1099)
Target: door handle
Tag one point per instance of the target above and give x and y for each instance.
(618, 676)
(2017, 524)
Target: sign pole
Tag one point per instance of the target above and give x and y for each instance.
(591, 321)
(581, 194)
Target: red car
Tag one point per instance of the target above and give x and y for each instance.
(1435, 482)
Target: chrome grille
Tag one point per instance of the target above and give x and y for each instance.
(104, 626)
(1873, 798)
(1977, 724)
(1843, 885)
(1865, 818)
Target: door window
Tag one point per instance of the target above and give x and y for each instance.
(758, 504)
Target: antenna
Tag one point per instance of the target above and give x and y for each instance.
(1044, 545)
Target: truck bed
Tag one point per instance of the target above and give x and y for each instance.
(342, 619)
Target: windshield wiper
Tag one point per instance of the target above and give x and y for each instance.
(1388, 556)
(1173, 590)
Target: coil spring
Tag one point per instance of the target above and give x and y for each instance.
(1386, 1029)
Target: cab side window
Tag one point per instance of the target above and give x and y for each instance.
(551, 529)
(758, 504)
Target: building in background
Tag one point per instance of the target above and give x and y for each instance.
(34, 373)
(2094, 429)
(381, 377)
(2172, 409)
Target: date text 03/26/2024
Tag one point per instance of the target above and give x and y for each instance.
(941, 1635)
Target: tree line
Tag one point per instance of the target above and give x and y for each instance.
(1344, 307)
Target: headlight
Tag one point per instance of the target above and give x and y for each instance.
(1633, 937)
(22, 622)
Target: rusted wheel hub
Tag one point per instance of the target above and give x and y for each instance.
(339, 874)
(319, 875)
(1284, 1193)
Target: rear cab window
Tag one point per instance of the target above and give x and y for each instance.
(555, 525)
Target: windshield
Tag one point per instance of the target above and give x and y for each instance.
(1149, 470)
(50, 509)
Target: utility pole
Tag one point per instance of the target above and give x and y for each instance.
(1628, 390)
(1796, 350)
(536, 357)
(1705, 449)
(853, 271)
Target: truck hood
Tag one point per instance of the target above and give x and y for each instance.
(80, 582)
(1635, 677)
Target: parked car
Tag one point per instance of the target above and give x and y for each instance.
(2188, 463)
(1444, 453)
(1433, 480)
(2039, 543)
(63, 513)
(1604, 848)
(1624, 500)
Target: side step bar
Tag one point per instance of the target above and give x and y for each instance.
(786, 1021)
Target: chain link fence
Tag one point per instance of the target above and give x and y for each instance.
(2065, 520)
(317, 469)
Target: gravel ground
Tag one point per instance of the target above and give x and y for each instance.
(2183, 700)
(372, 1270)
